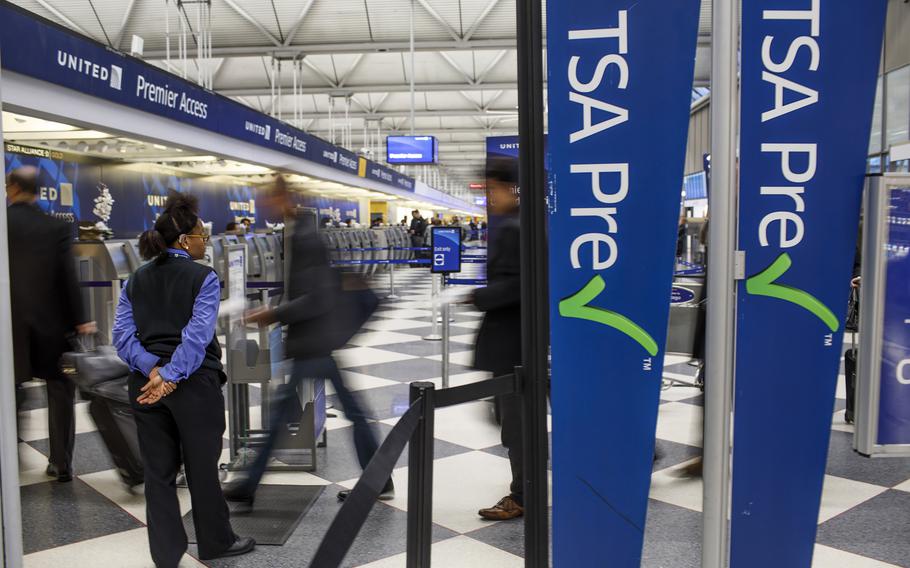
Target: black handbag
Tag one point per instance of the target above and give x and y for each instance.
(92, 362)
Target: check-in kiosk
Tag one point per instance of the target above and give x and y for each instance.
(252, 362)
(883, 364)
(101, 268)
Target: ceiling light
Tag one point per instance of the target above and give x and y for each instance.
(82, 147)
(159, 147)
(101, 147)
(63, 145)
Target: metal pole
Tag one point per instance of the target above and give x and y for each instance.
(534, 280)
(434, 293)
(721, 306)
(420, 480)
(445, 341)
(11, 521)
(392, 295)
(167, 33)
(413, 69)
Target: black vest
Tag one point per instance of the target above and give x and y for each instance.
(162, 294)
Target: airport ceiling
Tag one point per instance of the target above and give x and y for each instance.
(353, 55)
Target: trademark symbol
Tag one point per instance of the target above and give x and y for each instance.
(829, 340)
(646, 364)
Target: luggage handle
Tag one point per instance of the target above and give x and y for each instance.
(87, 343)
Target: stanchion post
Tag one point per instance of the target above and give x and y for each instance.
(392, 295)
(445, 345)
(721, 306)
(534, 279)
(420, 480)
(434, 294)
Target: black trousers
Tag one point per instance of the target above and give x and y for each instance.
(511, 415)
(286, 402)
(186, 426)
(61, 421)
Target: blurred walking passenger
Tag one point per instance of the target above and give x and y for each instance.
(498, 347)
(46, 307)
(321, 317)
(165, 332)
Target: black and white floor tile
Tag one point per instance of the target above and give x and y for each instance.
(94, 521)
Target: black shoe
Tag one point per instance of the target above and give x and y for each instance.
(242, 545)
(64, 476)
(388, 493)
(239, 493)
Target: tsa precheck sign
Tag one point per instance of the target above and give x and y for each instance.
(809, 70)
(620, 78)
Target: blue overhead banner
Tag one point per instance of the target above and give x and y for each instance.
(894, 398)
(620, 79)
(50, 53)
(809, 70)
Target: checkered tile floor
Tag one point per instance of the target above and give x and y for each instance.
(864, 521)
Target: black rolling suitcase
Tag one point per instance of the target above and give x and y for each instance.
(110, 409)
(102, 379)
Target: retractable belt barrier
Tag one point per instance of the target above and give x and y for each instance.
(466, 281)
(415, 428)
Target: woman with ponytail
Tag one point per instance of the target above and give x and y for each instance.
(165, 331)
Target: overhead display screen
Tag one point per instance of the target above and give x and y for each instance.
(412, 149)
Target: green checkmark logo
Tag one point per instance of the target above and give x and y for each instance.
(765, 284)
(576, 306)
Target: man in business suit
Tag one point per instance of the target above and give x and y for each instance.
(46, 307)
(498, 347)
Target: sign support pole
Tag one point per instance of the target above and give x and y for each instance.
(721, 315)
(11, 521)
(534, 280)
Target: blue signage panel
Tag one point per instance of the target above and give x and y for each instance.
(894, 399)
(45, 51)
(809, 70)
(620, 79)
(412, 149)
(446, 250)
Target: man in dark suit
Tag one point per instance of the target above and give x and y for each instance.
(498, 347)
(46, 307)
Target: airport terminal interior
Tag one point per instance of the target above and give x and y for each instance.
(394, 126)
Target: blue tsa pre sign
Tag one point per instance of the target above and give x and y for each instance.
(620, 78)
(809, 71)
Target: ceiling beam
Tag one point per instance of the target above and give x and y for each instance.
(387, 88)
(480, 18)
(442, 21)
(246, 16)
(118, 39)
(454, 65)
(319, 72)
(298, 22)
(491, 65)
(347, 74)
(63, 18)
(402, 46)
(404, 113)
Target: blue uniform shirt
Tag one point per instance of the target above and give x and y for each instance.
(196, 336)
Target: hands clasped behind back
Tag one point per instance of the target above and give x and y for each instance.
(156, 388)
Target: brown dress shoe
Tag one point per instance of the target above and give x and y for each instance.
(506, 509)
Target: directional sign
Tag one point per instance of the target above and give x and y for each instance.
(446, 250)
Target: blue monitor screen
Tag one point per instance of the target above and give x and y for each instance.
(412, 149)
(446, 250)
